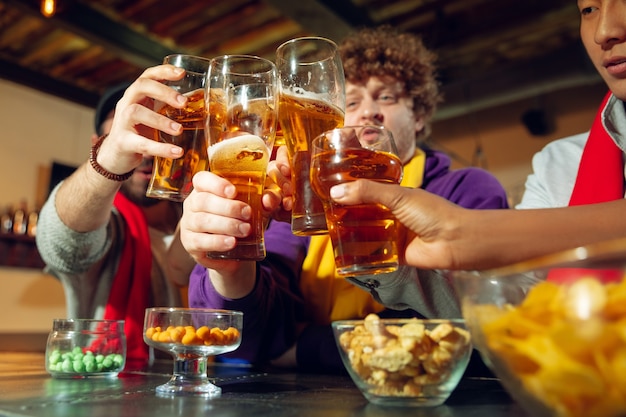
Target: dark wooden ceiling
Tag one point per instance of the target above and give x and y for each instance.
(490, 51)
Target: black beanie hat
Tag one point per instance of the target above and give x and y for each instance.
(107, 103)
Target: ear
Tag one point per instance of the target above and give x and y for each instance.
(94, 138)
(419, 125)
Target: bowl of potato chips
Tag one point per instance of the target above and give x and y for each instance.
(404, 362)
(553, 329)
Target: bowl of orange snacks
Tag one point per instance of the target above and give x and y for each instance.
(553, 329)
(404, 362)
(191, 336)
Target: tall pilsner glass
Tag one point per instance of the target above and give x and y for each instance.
(171, 178)
(312, 101)
(242, 101)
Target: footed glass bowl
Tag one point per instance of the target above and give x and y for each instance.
(191, 335)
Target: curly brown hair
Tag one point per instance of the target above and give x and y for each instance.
(386, 52)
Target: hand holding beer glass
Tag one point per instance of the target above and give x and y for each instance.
(312, 100)
(241, 100)
(171, 178)
(364, 237)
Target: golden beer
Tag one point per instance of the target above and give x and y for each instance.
(302, 118)
(279, 140)
(223, 123)
(171, 178)
(243, 161)
(241, 123)
(364, 236)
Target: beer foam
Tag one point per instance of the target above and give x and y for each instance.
(239, 153)
(299, 93)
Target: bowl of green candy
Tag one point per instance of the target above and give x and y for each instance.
(79, 348)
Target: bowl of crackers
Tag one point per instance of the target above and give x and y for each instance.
(553, 329)
(404, 362)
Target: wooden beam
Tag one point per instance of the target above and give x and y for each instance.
(327, 18)
(88, 23)
(45, 84)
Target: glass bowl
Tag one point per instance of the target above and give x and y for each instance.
(553, 329)
(191, 335)
(404, 362)
(78, 348)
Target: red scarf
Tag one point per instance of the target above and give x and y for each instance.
(130, 290)
(600, 179)
(601, 170)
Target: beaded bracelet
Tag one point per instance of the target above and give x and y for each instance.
(93, 154)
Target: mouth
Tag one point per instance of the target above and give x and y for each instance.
(145, 169)
(369, 134)
(615, 66)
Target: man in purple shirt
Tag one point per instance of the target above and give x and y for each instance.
(289, 299)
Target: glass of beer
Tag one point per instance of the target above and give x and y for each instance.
(171, 178)
(279, 141)
(364, 237)
(241, 100)
(311, 100)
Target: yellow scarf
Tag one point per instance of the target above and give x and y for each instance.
(330, 297)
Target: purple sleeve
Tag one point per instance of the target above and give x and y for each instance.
(272, 309)
(472, 188)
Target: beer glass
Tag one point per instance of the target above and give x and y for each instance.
(171, 178)
(364, 236)
(311, 100)
(241, 99)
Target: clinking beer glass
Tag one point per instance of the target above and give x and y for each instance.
(171, 178)
(241, 101)
(364, 236)
(312, 100)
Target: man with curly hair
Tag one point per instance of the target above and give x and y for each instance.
(290, 298)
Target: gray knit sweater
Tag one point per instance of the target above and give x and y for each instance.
(85, 263)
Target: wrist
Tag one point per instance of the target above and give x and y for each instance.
(234, 284)
(93, 161)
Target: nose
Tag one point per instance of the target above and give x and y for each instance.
(147, 161)
(369, 112)
(611, 27)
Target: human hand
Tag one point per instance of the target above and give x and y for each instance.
(429, 220)
(279, 173)
(131, 134)
(213, 219)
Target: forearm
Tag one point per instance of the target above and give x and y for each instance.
(202, 294)
(272, 306)
(269, 312)
(85, 199)
(235, 281)
(442, 235)
(426, 291)
(487, 239)
(67, 250)
(179, 261)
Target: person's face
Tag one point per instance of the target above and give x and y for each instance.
(191, 160)
(603, 32)
(165, 166)
(383, 102)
